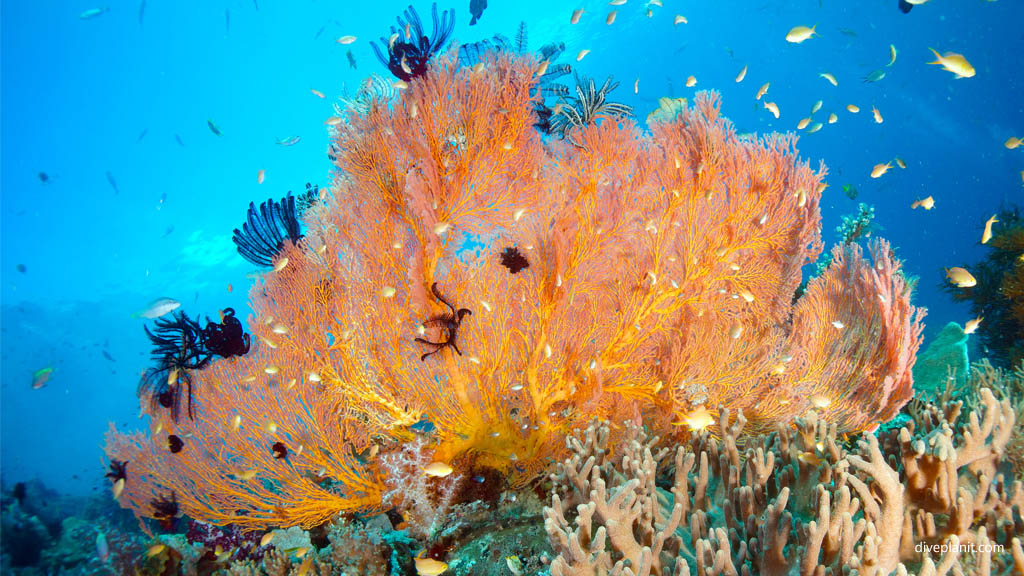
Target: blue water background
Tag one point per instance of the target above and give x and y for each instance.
(77, 94)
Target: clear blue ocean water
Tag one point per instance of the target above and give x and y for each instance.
(141, 196)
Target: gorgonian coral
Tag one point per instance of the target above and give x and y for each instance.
(661, 275)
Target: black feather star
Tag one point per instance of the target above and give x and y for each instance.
(409, 49)
(265, 230)
(512, 259)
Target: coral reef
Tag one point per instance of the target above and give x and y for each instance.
(998, 296)
(796, 501)
(628, 309)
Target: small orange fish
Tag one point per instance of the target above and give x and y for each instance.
(763, 90)
(987, 234)
(260, 176)
(852, 108)
(741, 75)
(611, 17)
(576, 16)
(680, 19)
(582, 54)
(691, 81)
(773, 108)
(972, 325)
(317, 93)
(928, 203)
(960, 277)
(230, 288)
(346, 39)
(880, 169)
(877, 115)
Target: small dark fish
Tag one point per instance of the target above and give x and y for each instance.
(196, 299)
(227, 20)
(175, 444)
(214, 128)
(351, 59)
(168, 231)
(478, 479)
(256, 4)
(289, 141)
(905, 6)
(107, 355)
(320, 31)
(280, 451)
(851, 191)
(178, 140)
(848, 32)
(44, 177)
(874, 76)
(22, 268)
(142, 135)
(142, 11)
(476, 8)
(113, 183)
(93, 12)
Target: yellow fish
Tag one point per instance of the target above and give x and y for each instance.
(928, 203)
(820, 401)
(803, 123)
(429, 566)
(679, 19)
(346, 39)
(816, 107)
(582, 54)
(800, 33)
(972, 325)
(576, 16)
(987, 234)
(953, 62)
(809, 458)
(736, 330)
(773, 108)
(437, 469)
(698, 419)
(763, 90)
(266, 539)
(901, 163)
(832, 118)
(852, 109)
(960, 277)
(118, 488)
(892, 55)
(831, 79)
(280, 265)
(880, 169)
(877, 115)
(155, 550)
(1013, 143)
(814, 128)
(691, 81)
(741, 75)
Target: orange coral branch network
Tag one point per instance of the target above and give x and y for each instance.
(662, 271)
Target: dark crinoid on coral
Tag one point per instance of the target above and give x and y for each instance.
(118, 471)
(226, 338)
(547, 85)
(514, 260)
(409, 48)
(165, 510)
(306, 200)
(998, 296)
(178, 350)
(589, 105)
(265, 230)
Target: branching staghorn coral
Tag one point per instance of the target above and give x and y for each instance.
(662, 270)
(793, 502)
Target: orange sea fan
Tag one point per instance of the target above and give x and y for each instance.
(661, 272)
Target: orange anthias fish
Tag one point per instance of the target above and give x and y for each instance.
(928, 203)
(960, 277)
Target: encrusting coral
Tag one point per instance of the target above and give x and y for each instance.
(796, 501)
(657, 278)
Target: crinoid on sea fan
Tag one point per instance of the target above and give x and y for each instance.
(409, 48)
(266, 229)
(178, 351)
(661, 281)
